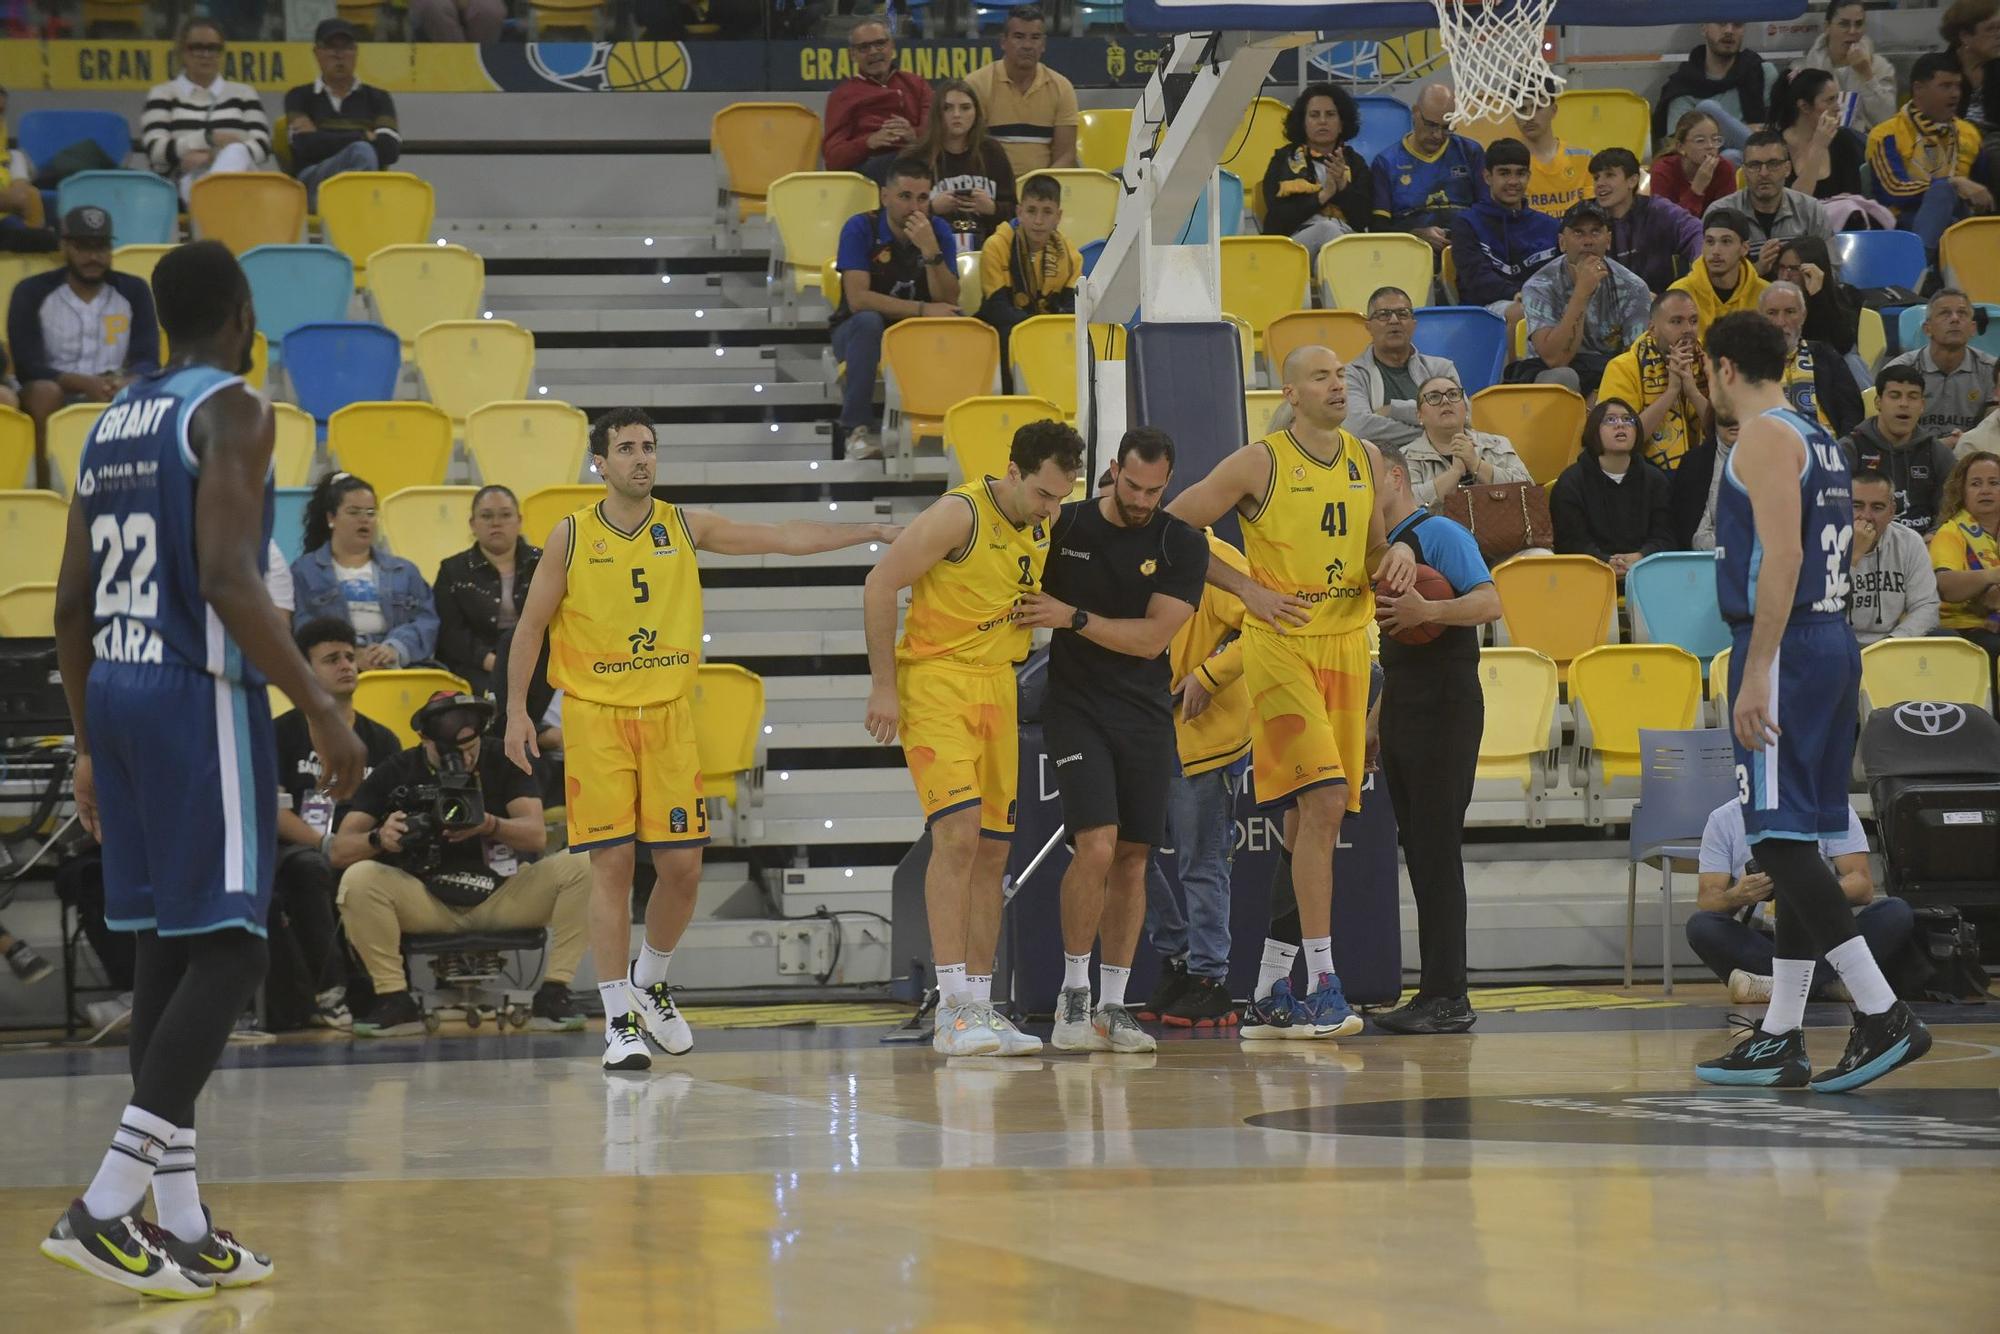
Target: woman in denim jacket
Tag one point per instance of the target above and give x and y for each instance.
(344, 574)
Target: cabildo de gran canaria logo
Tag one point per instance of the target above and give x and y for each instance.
(646, 655)
(586, 67)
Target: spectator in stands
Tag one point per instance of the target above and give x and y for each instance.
(1382, 382)
(1956, 374)
(1700, 475)
(1817, 382)
(1500, 242)
(1725, 281)
(79, 333)
(1663, 375)
(1722, 79)
(1844, 51)
(1652, 236)
(338, 123)
(1986, 435)
(343, 573)
(1895, 443)
(894, 264)
(1731, 928)
(1448, 453)
(1611, 503)
(1833, 309)
(479, 591)
(381, 898)
(20, 202)
(1694, 174)
(303, 883)
(1559, 173)
(1317, 187)
(1923, 155)
(1582, 309)
(200, 122)
(1030, 108)
(1426, 178)
(1028, 267)
(1971, 32)
(972, 183)
(878, 112)
(1965, 552)
(458, 20)
(1892, 590)
(1776, 214)
(1825, 156)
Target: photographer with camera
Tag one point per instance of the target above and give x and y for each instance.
(425, 848)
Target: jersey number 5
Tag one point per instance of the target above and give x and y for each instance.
(640, 593)
(1333, 519)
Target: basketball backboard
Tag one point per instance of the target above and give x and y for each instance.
(1344, 16)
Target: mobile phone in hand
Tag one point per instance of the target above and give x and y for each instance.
(1752, 868)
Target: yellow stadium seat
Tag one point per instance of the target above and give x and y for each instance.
(1616, 690)
(280, 703)
(1868, 401)
(1718, 688)
(1101, 136)
(1246, 347)
(34, 525)
(391, 445)
(568, 16)
(390, 696)
(366, 211)
(544, 509)
(969, 297)
(979, 431)
(260, 359)
(1264, 277)
(755, 143)
(1970, 254)
(728, 735)
(1089, 201)
(829, 284)
(28, 611)
(808, 209)
(296, 447)
(1350, 267)
(246, 209)
(414, 286)
(527, 444)
(1545, 422)
(138, 260)
(1257, 136)
(424, 524)
(1521, 687)
(1601, 118)
(1559, 605)
(1345, 331)
(1042, 351)
(1871, 339)
(930, 364)
(467, 364)
(1259, 406)
(1484, 132)
(1941, 667)
(68, 429)
(17, 450)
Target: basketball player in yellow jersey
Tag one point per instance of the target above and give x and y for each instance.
(621, 585)
(1314, 534)
(948, 684)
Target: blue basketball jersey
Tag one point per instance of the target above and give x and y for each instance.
(1826, 519)
(137, 488)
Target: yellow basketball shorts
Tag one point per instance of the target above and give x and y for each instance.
(1308, 712)
(962, 739)
(632, 774)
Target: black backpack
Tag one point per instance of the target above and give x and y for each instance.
(1951, 944)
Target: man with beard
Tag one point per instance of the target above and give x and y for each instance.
(1661, 377)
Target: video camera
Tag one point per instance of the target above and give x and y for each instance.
(453, 801)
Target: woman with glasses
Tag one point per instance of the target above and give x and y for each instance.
(200, 122)
(1316, 187)
(1611, 503)
(345, 575)
(480, 590)
(1450, 453)
(1694, 174)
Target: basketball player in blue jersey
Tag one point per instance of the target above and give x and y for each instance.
(167, 639)
(1784, 523)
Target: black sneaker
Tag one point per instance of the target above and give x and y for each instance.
(395, 1014)
(1173, 982)
(28, 965)
(554, 1010)
(1428, 1014)
(1204, 1003)
(1878, 1044)
(219, 1257)
(1763, 1059)
(127, 1251)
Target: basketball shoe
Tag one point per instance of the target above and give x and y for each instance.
(1013, 1042)
(1277, 1017)
(1327, 1008)
(1119, 1031)
(1768, 1060)
(625, 1044)
(1428, 1014)
(966, 1029)
(1173, 984)
(1204, 1003)
(1878, 1044)
(127, 1251)
(219, 1257)
(662, 1018)
(1076, 1025)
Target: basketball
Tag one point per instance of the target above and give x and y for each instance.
(1434, 587)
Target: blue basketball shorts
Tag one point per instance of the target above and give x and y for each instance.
(1796, 786)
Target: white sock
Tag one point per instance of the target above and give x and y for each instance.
(651, 965)
(1791, 981)
(980, 985)
(1076, 971)
(1111, 984)
(175, 1197)
(1319, 958)
(954, 987)
(1277, 966)
(617, 998)
(121, 1180)
(1863, 976)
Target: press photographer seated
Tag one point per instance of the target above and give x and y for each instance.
(426, 848)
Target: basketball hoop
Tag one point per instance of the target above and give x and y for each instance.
(1495, 55)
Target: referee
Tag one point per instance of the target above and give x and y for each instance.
(1122, 577)
(1432, 715)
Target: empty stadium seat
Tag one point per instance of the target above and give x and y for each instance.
(1718, 688)
(1941, 667)
(1970, 255)
(1871, 341)
(296, 446)
(1515, 748)
(33, 527)
(67, 431)
(1345, 331)
(469, 363)
(1384, 121)
(1350, 267)
(424, 524)
(1544, 421)
(145, 209)
(1247, 151)
(43, 134)
(332, 365)
(392, 445)
(1246, 347)
(413, 286)
(1042, 351)
(391, 696)
(1879, 259)
(1601, 118)
(1089, 201)
(28, 611)
(17, 450)
(754, 144)
(1259, 406)
(1101, 136)
(1559, 605)
(527, 444)
(1229, 217)
(246, 209)
(728, 733)
(365, 211)
(288, 518)
(291, 285)
(930, 364)
(544, 509)
(1264, 277)
(139, 260)
(1617, 690)
(1671, 595)
(1472, 338)
(969, 277)
(586, 18)
(808, 209)
(979, 431)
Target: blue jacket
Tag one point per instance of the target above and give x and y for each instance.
(406, 600)
(1496, 250)
(24, 324)
(1413, 192)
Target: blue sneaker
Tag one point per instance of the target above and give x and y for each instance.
(1879, 1043)
(1763, 1060)
(1278, 1016)
(1328, 1012)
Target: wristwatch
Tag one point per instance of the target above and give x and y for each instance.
(1078, 619)
(937, 261)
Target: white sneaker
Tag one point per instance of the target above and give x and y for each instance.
(1076, 1027)
(1120, 1031)
(108, 1016)
(1749, 988)
(966, 1030)
(862, 444)
(662, 1018)
(1013, 1042)
(625, 1045)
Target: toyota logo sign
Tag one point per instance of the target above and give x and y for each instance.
(1927, 719)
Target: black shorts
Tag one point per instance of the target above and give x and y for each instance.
(1112, 772)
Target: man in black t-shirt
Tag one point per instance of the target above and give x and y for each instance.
(1122, 577)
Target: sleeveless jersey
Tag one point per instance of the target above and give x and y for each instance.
(962, 609)
(1826, 532)
(136, 484)
(1309, 534)
(628, 632)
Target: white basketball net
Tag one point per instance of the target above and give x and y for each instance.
(1495, 55)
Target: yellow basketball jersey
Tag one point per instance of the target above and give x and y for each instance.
(628, 633)
(1309, 535)
(963, 607)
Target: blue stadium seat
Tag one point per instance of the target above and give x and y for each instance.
(1879, 259)
(144, 209)
(332, 365)
(1384, 120)
(296, 285)
(1910, 329)
(288, 520)
(1090, 254)
(1671, 595)
(43, 134)
(1232, 213)
(1474, 338)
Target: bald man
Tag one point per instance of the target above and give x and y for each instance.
(1817, 381)
(1424, 179)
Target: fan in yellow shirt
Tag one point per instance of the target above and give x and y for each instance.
(1558, 173)
(1725, 281)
